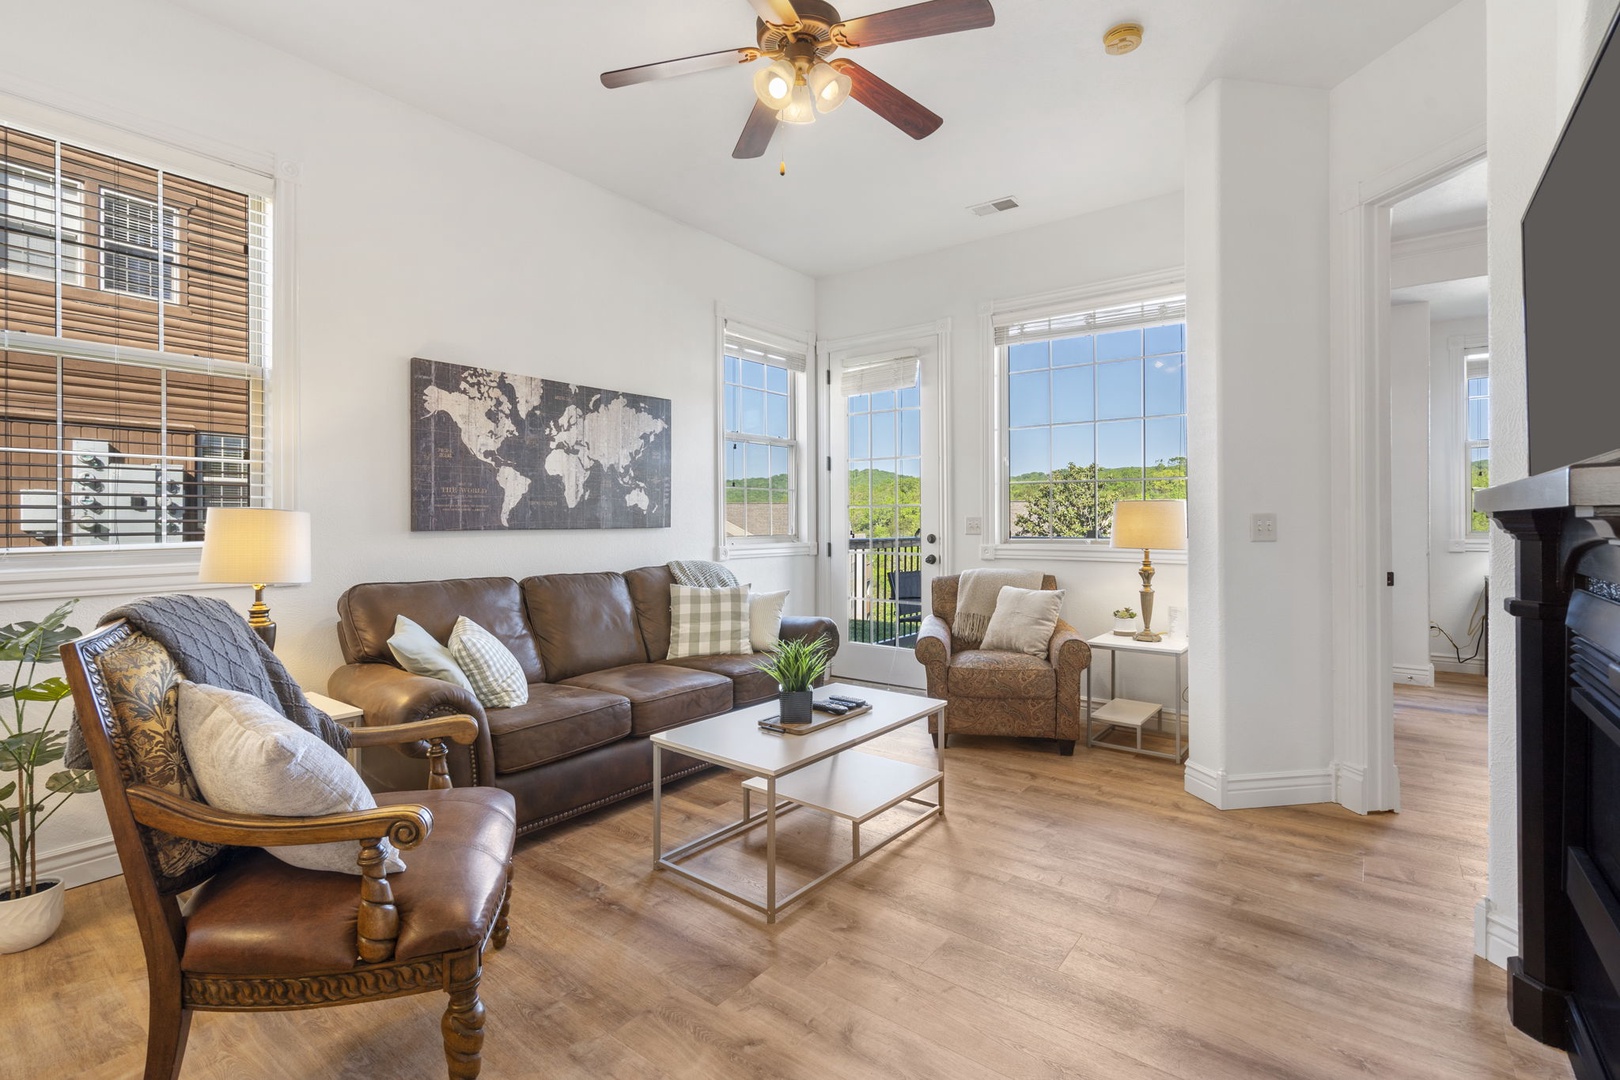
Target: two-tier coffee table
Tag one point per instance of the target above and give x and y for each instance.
(820, 771)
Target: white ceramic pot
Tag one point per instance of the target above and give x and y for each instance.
(1125, 627)
(32, 919)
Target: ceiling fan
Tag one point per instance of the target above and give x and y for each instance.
(798, 36)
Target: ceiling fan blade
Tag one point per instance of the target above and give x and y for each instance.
(756, 134)
(779, 12)
(668, 69)
(918, 21)
(897, 108)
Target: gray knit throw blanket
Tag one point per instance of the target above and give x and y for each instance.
(697, 574)
(212, 644)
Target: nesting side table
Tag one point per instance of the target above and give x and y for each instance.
(1122, 713)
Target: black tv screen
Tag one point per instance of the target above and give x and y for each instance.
(1572, 281)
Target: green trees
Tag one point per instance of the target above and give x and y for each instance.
(884, 504)
(1077, 501)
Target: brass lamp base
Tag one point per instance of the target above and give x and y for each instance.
(1147, 633)
(259, 618)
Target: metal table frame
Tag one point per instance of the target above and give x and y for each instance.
(1114, 650)
(775, 807)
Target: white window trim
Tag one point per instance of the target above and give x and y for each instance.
(171, 293)
(802, 341)
(70, 191)
(1118, 291)
(60, 573)
(1463, 537)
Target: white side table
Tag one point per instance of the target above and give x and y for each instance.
(1123, 713)
(344, 713)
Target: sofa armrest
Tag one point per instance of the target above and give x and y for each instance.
(933, 650)
(1069, 656)
(808, 628)
(389, 695)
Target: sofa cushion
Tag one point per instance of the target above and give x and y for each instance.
(419, 653)
(708, 622)
(489, 667)
(366, 616)
(582, 622)
(749, 685)
(555, 722)
(661, 695)
(649, 592)
(983, 673)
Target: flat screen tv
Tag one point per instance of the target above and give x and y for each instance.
(1572, 281)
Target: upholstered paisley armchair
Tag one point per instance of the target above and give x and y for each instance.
(1003, 693)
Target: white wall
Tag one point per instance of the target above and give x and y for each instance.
(1455, 576)
(1127, 240)
(415, 238)
(1409, 346)
(1537, 54)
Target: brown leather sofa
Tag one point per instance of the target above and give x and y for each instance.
(594, 648)
(1003, 693)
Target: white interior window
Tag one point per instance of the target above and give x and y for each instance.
(763, 422)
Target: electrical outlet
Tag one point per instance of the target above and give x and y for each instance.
(1263, 529)
(975, 526)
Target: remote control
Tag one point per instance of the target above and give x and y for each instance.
(836, 708)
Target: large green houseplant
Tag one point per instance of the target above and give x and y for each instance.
(31, 909)
(796, 664)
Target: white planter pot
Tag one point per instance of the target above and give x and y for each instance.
(1125, 627)
(30, 920)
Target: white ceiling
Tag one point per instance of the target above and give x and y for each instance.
(1465, 298)
(1032, 106)
(1457, 202)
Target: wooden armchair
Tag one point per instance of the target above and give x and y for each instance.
(259, 934)
(1003, 693)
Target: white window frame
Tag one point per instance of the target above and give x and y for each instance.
(55, 573)
(1452, 448)
(1476, 362)
(69, 193)
(801, 421)
(169, 258)
(1119, 292)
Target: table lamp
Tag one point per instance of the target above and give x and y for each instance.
(1146, 524)
(258, 547)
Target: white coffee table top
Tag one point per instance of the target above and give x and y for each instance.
(735, 740)
(1170, 646)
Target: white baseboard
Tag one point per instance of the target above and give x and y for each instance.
(1414, 674)
(1470, 667)
(1350, 786)
(1254, 790)
(1496, 937)
(81, 863)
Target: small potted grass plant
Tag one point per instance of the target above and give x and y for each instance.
(31, 908)
(796, 664)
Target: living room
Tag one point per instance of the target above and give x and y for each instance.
(463, 188)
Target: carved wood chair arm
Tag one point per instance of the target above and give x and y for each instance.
(461, 730)
(405, 825)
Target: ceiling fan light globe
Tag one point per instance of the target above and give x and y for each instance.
(773, 85)
(830, 86)
(801, 110)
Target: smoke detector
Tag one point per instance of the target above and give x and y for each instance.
(995, 206)
(1122, 39)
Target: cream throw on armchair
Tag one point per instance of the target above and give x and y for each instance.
(976, 598)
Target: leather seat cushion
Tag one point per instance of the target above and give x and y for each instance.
(748, 684)
(988, 673)
(259, 916)
(555, 722)
(661, 695)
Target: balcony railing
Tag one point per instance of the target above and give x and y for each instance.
(885, 590)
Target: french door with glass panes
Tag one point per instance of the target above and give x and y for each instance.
(884, 500)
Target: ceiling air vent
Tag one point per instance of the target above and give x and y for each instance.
(994, 206)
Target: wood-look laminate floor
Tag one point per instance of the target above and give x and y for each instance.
(1071, 917)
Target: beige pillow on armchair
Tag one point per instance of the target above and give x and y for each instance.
(1023, 620)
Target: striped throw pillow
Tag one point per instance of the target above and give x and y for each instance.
(708, 622)
(495, 674)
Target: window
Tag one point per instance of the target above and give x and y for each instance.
(1477, 437)
(762, 452)
(133, 353)
(1093, 409)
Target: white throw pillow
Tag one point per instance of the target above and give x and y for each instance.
(708, 622)
(1023, 620)
(249, 759)
(420, 653)
(765, 619)
(496, 676)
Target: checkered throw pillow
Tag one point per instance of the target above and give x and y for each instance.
(708, 622)
(495, 674)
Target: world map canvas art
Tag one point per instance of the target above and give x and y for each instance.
(494, 450)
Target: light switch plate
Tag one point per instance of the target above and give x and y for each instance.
(975, 526)
(1263, 529)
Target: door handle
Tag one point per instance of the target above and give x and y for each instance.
(931, 559)
(932, 539)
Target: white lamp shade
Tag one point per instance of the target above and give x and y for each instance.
(254, 546)
(773, 85)
(802, 109)
(829, 85)
(1160, 524)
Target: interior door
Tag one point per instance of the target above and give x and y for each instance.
(886, 539)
